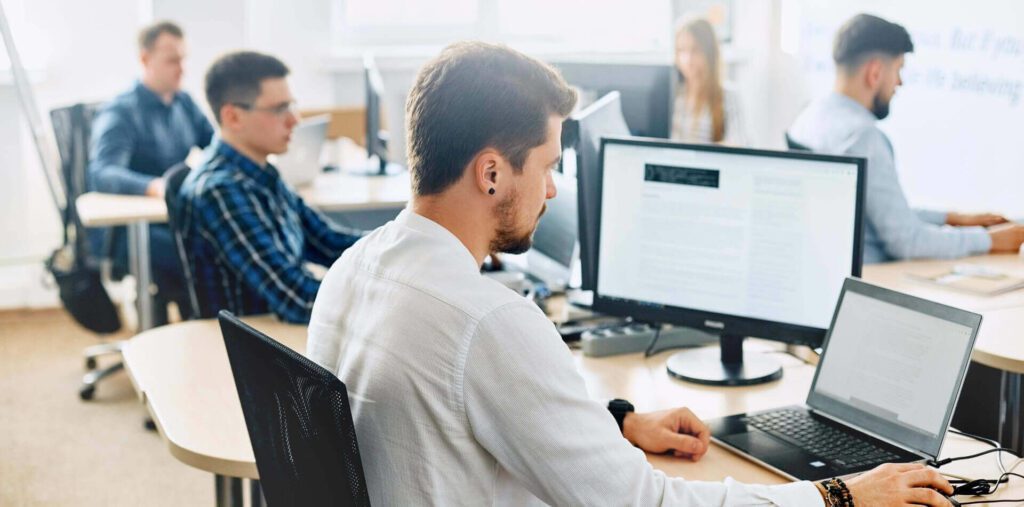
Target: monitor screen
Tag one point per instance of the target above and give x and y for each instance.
(747, 242)
(374, 92)
(603, 118)
(555, 236)
(646, 91)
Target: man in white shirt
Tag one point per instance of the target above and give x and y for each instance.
(462, 391)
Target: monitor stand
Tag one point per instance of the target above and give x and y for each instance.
(374, 166)
(724, 367)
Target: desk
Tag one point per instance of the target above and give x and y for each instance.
(893, 275)
(1000, 342)
(182, 374)
(329, 192)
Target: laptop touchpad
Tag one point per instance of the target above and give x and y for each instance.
(759, 444)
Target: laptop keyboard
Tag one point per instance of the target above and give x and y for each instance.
(820, 439)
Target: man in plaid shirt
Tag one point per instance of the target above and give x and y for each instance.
(248, 236)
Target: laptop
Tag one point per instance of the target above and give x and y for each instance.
(884, 391)
(301, 163)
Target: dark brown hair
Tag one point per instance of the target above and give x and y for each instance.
(865, 35)
(149, 34)
(474, 96)
(235, 78)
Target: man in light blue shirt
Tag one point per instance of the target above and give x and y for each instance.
(869, 56)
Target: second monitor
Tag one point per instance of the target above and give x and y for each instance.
(734, 241)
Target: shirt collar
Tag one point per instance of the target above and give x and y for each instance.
(459, 253)
(263, 175)
(852, 106)
(149, 98)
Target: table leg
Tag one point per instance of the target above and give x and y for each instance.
(142, 269)
(1010, 416)
(228, 491)
(256, 494)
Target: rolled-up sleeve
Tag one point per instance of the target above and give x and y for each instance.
(903, 232)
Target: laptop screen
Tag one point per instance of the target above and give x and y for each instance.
(893, 365)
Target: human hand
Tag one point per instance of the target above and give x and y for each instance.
(677, 430)
(156, 188)
(968, 219)
(900, 484)
(1006, 237)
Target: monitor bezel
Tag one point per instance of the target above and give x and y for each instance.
(721, 323)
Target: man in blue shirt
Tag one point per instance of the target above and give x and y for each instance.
(869, 55)
(139, 135)
(247, 234)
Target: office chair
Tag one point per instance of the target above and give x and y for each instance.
(299, 421)
(173, 179)
(72, 127)
(795, 146)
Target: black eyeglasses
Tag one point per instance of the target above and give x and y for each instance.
(280, 110)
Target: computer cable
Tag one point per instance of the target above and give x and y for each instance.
(989, 441)
(980, 487)
(654, 341)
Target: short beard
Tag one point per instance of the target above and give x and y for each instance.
(506, 238)
(878, 108)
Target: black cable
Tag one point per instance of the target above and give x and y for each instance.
(650, 347)
(998, 482)
(944, 462)
(989, 441)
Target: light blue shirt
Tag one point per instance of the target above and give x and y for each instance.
(892, 230)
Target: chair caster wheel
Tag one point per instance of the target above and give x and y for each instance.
(86, 393)
(149, 424)
(90, 363)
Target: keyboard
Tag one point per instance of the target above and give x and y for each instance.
(823, 440)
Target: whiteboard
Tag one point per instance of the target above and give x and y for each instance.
(957, 124)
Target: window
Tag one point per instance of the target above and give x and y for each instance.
(535, 26)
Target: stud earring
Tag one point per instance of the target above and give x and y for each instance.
(490, 191)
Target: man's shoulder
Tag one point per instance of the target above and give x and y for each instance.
(215, 175)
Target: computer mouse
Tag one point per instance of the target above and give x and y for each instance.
(952, 500)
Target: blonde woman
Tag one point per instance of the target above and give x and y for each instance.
(704, 111)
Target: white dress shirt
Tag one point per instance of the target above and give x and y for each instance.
(463, 393)
(892, 230)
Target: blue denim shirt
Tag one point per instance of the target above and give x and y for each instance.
(136, 137)
(248, 237)
(892, 230)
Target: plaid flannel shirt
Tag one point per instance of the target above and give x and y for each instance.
(248, 237)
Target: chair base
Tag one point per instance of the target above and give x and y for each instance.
(93, 375)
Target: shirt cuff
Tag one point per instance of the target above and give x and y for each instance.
(932, 217)
(136, 184)
(978, 240)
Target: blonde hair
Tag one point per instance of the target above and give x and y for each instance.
(712, 95)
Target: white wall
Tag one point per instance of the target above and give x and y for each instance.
(79, 60)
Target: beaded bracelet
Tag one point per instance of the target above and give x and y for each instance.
(836, 493)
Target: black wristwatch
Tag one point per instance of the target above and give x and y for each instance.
(619, 408)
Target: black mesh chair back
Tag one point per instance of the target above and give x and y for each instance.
(795, 146)
(173, 178)
(72, 127)
(299, 421)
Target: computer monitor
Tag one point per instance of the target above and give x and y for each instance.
(554, 242)
(646, 91)
(735, 241)
(376, 137)
(583, 132)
